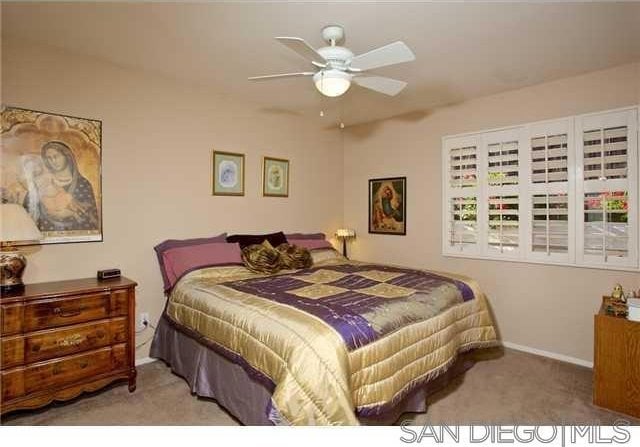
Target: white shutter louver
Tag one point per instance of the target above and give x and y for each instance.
(550, 223)
(605, 153)
(504, 225)
(549, 159)
(464, 220)
(463, 170)
(502, 161)
(606, 217)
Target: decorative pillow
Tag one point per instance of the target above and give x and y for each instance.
(178, 261)
(245, 240)
(162, 247)
(296, 236)
(313, 244)
(262, 258)
(294, 257)
(325, 254)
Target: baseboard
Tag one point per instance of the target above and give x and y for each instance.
(144, 361)
(506, 344)
(552, 355)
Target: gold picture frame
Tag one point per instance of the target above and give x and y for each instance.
(275, 177)
(51, 164)
(227, 173)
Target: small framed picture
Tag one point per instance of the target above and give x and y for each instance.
(228, 174)
(388, 205)
(275, 177)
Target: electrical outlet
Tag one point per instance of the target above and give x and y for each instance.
(143, 320)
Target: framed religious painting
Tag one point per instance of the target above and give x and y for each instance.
(227, 174)
(275, 177)
(388, 205)
(51, 164)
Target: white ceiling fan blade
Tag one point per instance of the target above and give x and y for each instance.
(301, 47)
(380, 84)
(394, 53)
(283, 75)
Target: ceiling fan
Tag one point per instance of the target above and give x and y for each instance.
(337, 66)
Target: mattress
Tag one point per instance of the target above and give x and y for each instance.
(338, 342)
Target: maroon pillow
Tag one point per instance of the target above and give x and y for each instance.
(175, 243)
(179, 261)
(245, 240)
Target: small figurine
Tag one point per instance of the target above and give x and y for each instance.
(618, 294)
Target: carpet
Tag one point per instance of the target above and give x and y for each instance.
(504, 387)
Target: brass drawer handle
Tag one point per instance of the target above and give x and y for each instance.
(83, 364)
(66, 314)
(71, 340)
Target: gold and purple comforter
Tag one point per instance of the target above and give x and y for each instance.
(340, 340)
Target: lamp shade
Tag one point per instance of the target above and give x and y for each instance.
(345, 233)
(16, 224)
(332, 82)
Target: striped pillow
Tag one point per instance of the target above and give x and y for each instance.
(262, 258)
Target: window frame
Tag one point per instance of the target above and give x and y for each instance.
(574, 187)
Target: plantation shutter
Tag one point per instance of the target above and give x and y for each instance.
(608, 188)
(561, 191)
(461, 195)
(502, 165)
(550, 197)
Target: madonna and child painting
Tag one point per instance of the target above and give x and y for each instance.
(51, 165)
(388, 206)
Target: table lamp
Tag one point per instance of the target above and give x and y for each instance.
(16, 225)
(344, 234)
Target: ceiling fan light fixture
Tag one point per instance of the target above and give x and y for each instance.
(332, 82)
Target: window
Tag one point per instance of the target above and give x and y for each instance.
(562, 191)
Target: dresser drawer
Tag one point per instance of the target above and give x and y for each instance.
(61, 372)
(65, 311)
(51, 343)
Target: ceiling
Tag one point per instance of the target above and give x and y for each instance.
(463, 50)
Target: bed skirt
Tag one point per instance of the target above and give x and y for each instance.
(244, 392)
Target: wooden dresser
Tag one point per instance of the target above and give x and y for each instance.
(616, 381)
(59, 339)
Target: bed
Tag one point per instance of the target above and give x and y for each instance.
(339, 343)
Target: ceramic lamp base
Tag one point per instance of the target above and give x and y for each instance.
(12, 265)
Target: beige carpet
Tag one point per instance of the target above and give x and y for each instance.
(507, 387)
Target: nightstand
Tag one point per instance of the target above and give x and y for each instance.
(616, 381)
(60, 339)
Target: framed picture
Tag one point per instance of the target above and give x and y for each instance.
(227, 174)
(275, 177)
(388, 205)
(52, 165)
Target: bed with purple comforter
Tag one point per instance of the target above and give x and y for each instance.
(334, 344)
